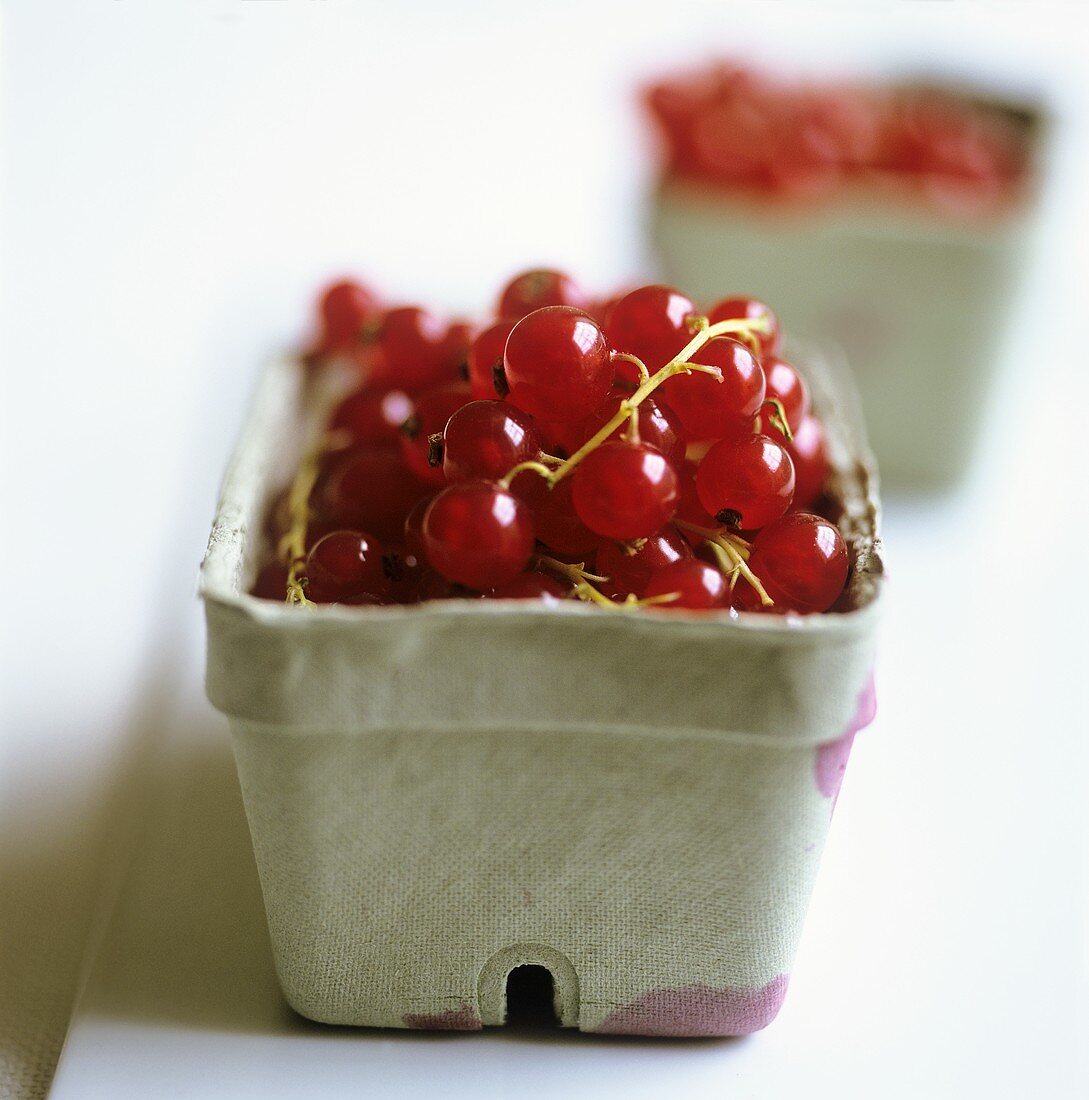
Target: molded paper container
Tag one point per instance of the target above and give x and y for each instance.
(919, 301)
(440, 793)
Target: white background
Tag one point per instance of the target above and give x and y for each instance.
(177, 178)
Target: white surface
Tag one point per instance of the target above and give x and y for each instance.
(177, 177)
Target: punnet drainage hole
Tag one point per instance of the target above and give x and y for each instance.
(531, 998)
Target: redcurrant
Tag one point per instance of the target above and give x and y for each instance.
(746, 482)
(802, 562)
(629, 567)
(478, 534)
(536, 289)
(433, 408)
(699, 586)
(345, 307)
(557, 364)
(650, 323)
(624, 490)
(343, 566)
(730, 309)
(372, 415)
(485, 439)
(710, 409)
(485, 357)
(786, 385)
(530, 586)
(807, 452)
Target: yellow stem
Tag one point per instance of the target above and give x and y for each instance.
(298, 510)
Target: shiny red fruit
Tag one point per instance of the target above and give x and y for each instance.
(486, 439)
(629, 569)
(417, 350)
(530, 586)
(536, 289)
(344, 307)
(368, 489)
(624, 490)
(736, 308)
(485, 354)
(802, 562)
(746, 482)
(699, 586)
(787, 385)
(554, 517)
(478, 534)
(344, 566)
(650, 323)
(808, 453)
(372, 414)
(433, 408)
(557, 364)
(710, 409)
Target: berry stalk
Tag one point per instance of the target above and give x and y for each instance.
(731, 552)
(679, 364)
(298, 508)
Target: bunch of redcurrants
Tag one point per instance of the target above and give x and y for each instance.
(631, 452)
(732, 126)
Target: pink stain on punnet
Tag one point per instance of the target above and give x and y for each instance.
(698, 1010)
(831, 759)
(462, 1018)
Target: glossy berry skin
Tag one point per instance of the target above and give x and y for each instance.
(802, 562)
(372, 414)
(433, 408)
(629, 573)
(751, 476)
(557, 364)
(344, 566)
(536, 289)
(659, 425)
(478, 534)
(710, 409)
(418, 350)
(530, 586)
(736, 308)
(807, 452)
(271, 583)
(689, 506)
(650, 323)
(787, 385)
(625, 490)
(485, 354)
(344, 308)
(368, 489)
(701, 586)
(554, 518)
(486, 439)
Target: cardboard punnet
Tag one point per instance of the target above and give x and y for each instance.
(440, 793)
(919, 302)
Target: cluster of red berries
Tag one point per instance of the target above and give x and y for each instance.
(734, 127)
(632, 451)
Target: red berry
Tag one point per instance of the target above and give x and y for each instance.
(701, 587)
(343, 566)
(751, 477)
(659, 425)
(736, 308)
(710, 409)
(650, 323)
(807, 452)
(345, 307)
(486, 439)
(554, 518)
(630, 569)
(536, 289)
(802, 562)
(271, 583)
(624, 490)
(530, 586)
(787, 385)
(478, 534)
(368, 489)
(689, 506)
(372, 415)
(417, 351)
(485, 354)
(433, 409)
(557, 363)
